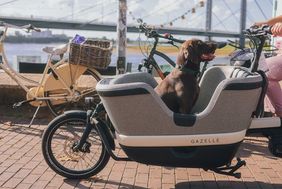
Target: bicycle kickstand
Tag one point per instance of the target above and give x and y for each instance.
(34, 115)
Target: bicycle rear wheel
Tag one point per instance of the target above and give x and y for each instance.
(86, 82)
(59, 140)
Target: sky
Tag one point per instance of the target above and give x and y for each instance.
(226, 13)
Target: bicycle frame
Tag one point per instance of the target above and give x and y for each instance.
(15, 75)
(151, 60)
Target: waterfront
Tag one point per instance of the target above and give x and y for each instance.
(133, 56)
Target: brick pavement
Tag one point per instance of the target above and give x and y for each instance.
(22, 166)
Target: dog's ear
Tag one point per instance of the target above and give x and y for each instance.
(183, 53)
(180, 58)
(192, 51)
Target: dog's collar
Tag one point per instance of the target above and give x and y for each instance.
(188, 70)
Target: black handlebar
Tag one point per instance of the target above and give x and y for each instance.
(31, 27)
(175, 40)
(151, 33)
(27, 27)
(258, 31)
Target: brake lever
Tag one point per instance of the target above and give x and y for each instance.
(236, 47)
(258, 31)
(234, 44)
(230, 41)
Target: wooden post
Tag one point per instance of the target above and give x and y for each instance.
(121, 36)
(243, 22)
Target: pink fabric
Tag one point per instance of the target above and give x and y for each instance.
(274, 93)
(277, 29)
(278, 45)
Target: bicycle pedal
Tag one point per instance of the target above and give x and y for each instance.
(18, 104)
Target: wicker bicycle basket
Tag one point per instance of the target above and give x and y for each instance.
(91, 53)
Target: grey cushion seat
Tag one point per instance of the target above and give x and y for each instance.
(226, 101)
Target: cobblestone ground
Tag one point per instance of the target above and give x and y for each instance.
(22, 166)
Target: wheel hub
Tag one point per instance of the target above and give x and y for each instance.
(76, 96)
(84, 149)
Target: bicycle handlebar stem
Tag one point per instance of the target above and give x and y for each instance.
(27, 27)
(151, 33)
(260, 33)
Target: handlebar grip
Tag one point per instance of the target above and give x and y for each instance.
(221, 44)
(178, 40)
(269, 30)
(170, 37)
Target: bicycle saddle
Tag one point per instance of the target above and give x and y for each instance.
(61, 49)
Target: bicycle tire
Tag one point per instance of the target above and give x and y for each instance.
(58, 109)
(65, 162)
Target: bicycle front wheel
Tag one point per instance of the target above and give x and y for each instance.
(59, 140)
(85, 87)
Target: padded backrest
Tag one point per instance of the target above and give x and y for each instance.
(212, 78)
(240, 72)
(135, 77)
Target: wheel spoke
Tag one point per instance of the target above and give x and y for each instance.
(62, 144)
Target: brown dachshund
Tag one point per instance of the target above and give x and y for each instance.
(180, 89)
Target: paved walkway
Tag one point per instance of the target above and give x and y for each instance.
(22, 166)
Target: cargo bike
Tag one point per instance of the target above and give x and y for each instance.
(79, 144)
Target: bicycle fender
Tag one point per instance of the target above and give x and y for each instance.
(66, 76)
(76, 112)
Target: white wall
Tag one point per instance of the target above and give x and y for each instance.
(277, 7)
(277, 10)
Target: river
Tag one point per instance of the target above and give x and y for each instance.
(28, 49)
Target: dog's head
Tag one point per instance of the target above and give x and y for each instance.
(195, 51)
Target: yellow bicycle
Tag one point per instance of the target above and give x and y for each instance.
(63, 86)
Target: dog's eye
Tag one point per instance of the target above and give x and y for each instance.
(190, 48)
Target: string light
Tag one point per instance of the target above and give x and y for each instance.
(183, 16)
(132, 16)
(202, 3)
(192, 10)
